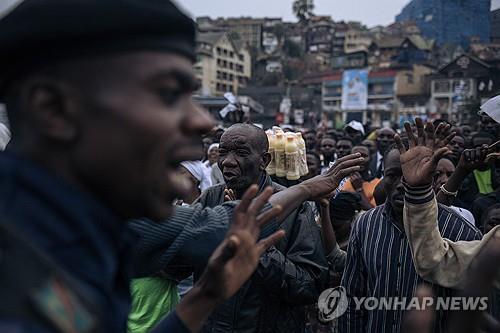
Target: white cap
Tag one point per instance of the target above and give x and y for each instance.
(492, 108)
(356, 125)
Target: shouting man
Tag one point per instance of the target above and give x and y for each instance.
(290, 275)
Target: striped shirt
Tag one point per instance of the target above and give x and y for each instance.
(380, 264)
(192, 231)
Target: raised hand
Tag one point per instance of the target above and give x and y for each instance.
(472, 159)
(236, 258)
(323, 185)
(229, 195)
(419, 162)
(357, 181)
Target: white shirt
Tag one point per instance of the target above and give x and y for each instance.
(379, 159)
(467, 215)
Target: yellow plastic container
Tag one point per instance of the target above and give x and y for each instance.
(279, 154)
(303, 169)
(271, 167)
(292, 157)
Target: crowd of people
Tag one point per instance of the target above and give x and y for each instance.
(361, 228)
(124, 208)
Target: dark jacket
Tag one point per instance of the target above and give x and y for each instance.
(77, 237)
(289, 276)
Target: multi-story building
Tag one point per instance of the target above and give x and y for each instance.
(249, 30)
(319, 35)
(488, 52)
(354, 59)
(413, 92)
(389, 51)
(462, 80)
(381, 108)
(340, 30)
(495, 26)
(303, 104)
(450, 21)
(357, 40)
(257, 33)
(221, 65)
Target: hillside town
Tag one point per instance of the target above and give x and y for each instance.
(426, 64)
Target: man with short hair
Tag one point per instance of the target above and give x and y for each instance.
(327, 150)
(371, 145)
(310, 140)
(385, 139)
(379, 260)
(343, 147)
(488, 125)
(290, 275)
(457, 146)
(313, 165)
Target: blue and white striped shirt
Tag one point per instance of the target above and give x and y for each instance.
(380, 264)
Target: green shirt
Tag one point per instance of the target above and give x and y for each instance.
(152, 299)
(483, 181)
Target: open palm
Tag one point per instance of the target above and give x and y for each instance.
(419, 162)
(236, 258)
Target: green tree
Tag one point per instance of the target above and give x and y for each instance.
(303, 9)
(292, 49)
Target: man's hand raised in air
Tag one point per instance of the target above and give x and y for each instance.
(419, 162)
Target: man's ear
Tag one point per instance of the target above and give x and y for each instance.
(266, 159)
(51, 109)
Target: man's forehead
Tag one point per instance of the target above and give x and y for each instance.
(385, 131)
(145, 66)
(361, 148)
(158, 63)
(235, 140)
(458, 138)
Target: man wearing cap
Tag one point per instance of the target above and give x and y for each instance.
(98, 95)
(355, 130)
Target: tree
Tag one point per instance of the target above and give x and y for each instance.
(303, 9)
(292, 49)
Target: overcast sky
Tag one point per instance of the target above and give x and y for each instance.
(369, 12)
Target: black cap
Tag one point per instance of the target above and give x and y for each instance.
(39, 32)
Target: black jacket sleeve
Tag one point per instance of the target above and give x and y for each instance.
(296, 270)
